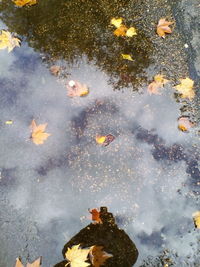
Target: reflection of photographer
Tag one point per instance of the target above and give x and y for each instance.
(113, 242)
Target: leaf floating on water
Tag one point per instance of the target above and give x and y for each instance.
(36, 263)
(77, 257)
(104, 140)
(98, 256)
(22, 3)
(131, 32)
(184, 124)
(122, 30)
(126, 56)
(77, 89)
(163, 27)
(158, 82)
(38, 135)
(186, 88)
(95, 215)
(55, 69)
(9, 122)
(196, 218)
(8, 41)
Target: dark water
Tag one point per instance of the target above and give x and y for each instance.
(148, 176)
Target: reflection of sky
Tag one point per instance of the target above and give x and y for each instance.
(141, 176)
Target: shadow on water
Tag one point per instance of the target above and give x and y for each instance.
(69, 30)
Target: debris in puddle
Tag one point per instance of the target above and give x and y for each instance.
(184, 124)
(105, 140)
(55, 70)
(38, 134)
(76, 89)
(122, 30)
(159, 82)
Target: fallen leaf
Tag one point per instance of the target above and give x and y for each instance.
(38, 134)
(77, 89)
(184, 124)
(8, 41)
(77, 257)
(95, 215)
(131, 32)
(186, 88)
(158, 82)
(126, 56)
(116, 22)
(22, 3)
(196, 218)
(55, 70)
(163, 27)
(98, 256)
(9, 122)
(121, 31)
(36, 263)
(104, 140)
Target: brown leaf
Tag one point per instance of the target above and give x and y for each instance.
(158, 82)
(55, 70)
(184, 124)
(95, 215)
(98, 256)
(36, 263)
(76, 89)
(38, 134)
(18, 263)
(163, 27)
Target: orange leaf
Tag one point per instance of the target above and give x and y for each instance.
(121, 31)
(95, 215)
(184, 124)
(163, 27)
(77, 89)
(98, 256)
(158, 82)
(18, 263)
(38, 134)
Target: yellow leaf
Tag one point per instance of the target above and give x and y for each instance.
(116, 22)
(131, 32)
(38, 135)
(77, 257)
(25, 2)
(8, 41)
(100, 139)
(9, 122)
(160, 79)
(186, 88)
(126, 56)
(196, 218)
(184, 124)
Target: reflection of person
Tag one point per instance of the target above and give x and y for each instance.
(107, 235)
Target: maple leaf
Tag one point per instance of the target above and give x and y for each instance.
(131, 32)
(116, 22)
(98, 256)
(38, 135)
(158, 82)
(184, 124)
(121, 31)
(104, 140)
(186, 88)
(55, 69)
(163, 27)
(22, 3)
(95, 215)
(77, 257)
(77, 89)
(126, 56)
(196, 218)
(8, 41)
(36, 263)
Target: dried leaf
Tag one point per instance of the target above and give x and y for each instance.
(186, 88)
(158, 82)
(95, 215)
(131, 32)
(163, 27)
(116, 22)
(38, 134)
(18, 263)
(126, 56)
(25, 2)
(121, 31)
(55, 70)
(8, 41)
(104, 140)
(77, 257)
(77, 89)
(36, 263)
(98, 256)
(196, 218)
(184, 124)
